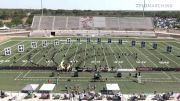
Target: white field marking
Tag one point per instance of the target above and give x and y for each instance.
(173, 46)
(49, 61)
(173, 74)
(150, 59)
(161, 81)
(18, 76)
(12, 55)
(26, 74)
(9, 72)
(148, 80)
(64, 77)
(14, 46)
(132, 53)
(95, 56)
(120, 80)
(167, 75)
(177, 42)
(114, 56)
(42, 57)
(40, 72)
(24, 55)
(125, 57)
(176, 39)
(155, 56)
(167, 57)
(32, 57)
(39, 61)
(146, 57)
(71, 80)
(85, 54)
(5, 42)
(156, 78)
(67, 51)
(75, 54)
(105, 55)
(60, 49)
(112, 77)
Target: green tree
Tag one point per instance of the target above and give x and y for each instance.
(1, 23)
(16, 21)
(29, 20)
(4, 15)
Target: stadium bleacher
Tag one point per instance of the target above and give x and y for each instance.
(112, 23)
(60, 22)
(46, 22)
(68, 25)
(72, 22)
(135, 23)
(35, 23)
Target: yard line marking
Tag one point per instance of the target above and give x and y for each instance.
(125, 56)
(173, 46)
(85, 54)
(26, 74)
(167, 57)
(16, 44)
(12, 55)
(146, 57)
(173, 75)
(42, 57)
(115, 56)
(105, 56)
(95, 56)
(39, 60)
(132, 53)
(167, 75)
(48, 53)
(24, 55)
(32, 58)
(155, 56)
(67, 51)
(13, 46)
(5, 42)
(60, 49)
(75, 54)
(18, 76)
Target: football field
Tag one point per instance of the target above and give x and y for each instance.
(85, 54)
(93, 54)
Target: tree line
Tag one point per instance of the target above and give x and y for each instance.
(17, 15)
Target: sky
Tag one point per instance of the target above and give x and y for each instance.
(93, 4)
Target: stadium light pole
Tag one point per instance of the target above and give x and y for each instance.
(144, 7)
(41, 7)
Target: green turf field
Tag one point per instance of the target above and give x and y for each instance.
(152, 81)
(92, 55)
(85, 54)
